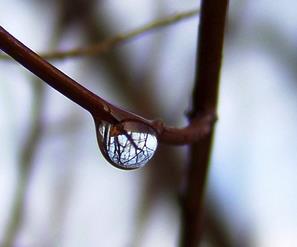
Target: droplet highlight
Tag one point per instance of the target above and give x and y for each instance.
(127, 145)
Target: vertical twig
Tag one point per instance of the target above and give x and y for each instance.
(205, 96)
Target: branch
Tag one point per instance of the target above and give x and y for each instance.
(205, 96)
(100, 109)
(108, 44)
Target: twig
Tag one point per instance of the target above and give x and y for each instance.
(205, 96)
(107, 44)
(100, 109)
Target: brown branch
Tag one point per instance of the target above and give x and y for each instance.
(205, 96)
(100, 109)
(107, 44)
(197, 129)
(52, 76)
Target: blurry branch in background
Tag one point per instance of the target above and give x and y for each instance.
(205, 97)
(27, 155)
(108, 44)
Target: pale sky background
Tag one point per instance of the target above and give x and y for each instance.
(253, 170)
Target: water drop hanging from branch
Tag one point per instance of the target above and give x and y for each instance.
(130, 133)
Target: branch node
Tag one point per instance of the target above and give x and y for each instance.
(158, 125)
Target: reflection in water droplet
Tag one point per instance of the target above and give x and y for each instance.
(127, 145)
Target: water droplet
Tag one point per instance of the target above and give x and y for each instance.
(127, 145)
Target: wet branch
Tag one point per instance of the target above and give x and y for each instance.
(100, 109)
(205, 97)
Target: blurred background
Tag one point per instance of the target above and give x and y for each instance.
(56, 189)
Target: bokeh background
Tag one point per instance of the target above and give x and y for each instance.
(48, 147)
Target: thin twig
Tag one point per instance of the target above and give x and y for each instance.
(108, 44)
(205, 97)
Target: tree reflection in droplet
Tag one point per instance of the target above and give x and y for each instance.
(127, 145)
